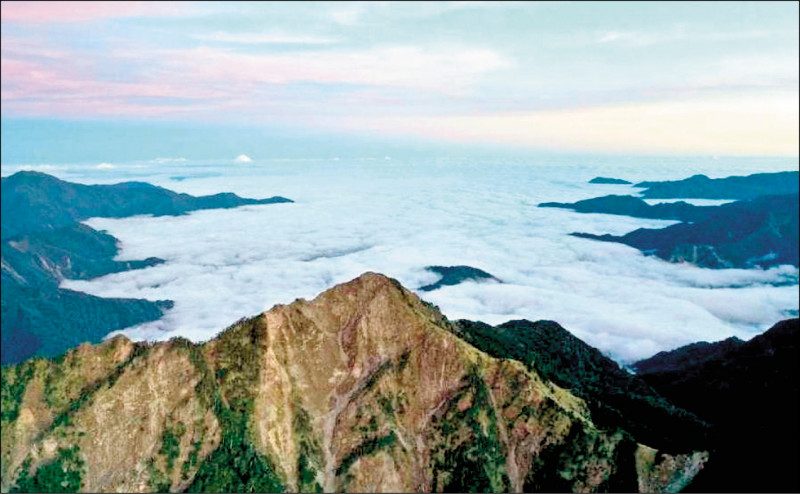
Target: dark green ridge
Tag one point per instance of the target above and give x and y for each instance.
(43, 243)
(607, 180)
(750, 393)
(33, 201)
(638, 208)
(453, 275)
(739, 187)
(744, 234)
(616, 398)
(686, 356)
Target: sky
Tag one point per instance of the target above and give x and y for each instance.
(136, 80)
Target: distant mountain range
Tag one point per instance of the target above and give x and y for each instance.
(366, 388)
(607, 180)
(33, 201)
(638, 208)
(702, 187)
(43, 243)
(760, 230)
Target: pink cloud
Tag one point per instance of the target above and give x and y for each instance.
(25, 49)
(38, 12)
(26, 82)
(39, 80)
(71, 90)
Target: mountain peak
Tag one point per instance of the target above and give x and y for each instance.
(368, 280)
(23, 177)
(364, 388)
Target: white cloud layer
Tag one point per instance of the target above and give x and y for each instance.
(396, 217)
(168, 160)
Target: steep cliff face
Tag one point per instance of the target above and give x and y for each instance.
(365, 388)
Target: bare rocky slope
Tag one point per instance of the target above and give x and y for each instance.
(365, 388)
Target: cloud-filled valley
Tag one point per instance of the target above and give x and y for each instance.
(397, 217)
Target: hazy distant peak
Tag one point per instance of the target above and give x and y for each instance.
(51, 203)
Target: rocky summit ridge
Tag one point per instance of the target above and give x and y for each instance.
(365, 388)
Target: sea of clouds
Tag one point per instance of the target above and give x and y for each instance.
(397, 216)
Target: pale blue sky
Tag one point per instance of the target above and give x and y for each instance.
(651, 77)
